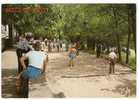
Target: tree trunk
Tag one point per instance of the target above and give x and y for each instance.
(10, 26)
(108, 49)
(134, 31)
(116, 31)
(93, 44)
(89, 42)
(129, 34)
(118, 46)
(133, 23)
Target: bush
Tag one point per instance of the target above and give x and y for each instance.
(132, 60)
(132, 63)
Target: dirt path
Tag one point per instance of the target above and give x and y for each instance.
(9, 72)
(88, 78)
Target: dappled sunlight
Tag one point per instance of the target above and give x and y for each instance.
(88, 70)
(8, 83)
(126, 88)
(89, 74)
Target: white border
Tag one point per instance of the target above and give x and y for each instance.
(0, 52)
(68, 1)
(137, 48)
(81, 2)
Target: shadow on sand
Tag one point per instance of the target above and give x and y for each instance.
(8, 83)
(127, 88)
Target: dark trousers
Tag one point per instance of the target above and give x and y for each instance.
(112, 67)
(19, 53)
(24, 82)
(77, 51)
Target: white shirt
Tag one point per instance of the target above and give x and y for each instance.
(112, 55)
(43, 45)
(23, 44)
(36, 58)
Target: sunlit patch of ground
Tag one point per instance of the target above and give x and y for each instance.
(88, 78)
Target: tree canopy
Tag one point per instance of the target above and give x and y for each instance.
(108, 24)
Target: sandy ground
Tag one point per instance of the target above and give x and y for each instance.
(9, 59)
(9, 72)
(88, 78)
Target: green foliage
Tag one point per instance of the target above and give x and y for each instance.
(132, 63)
(132, 60)
(88, 23)
(72, 21)
(69, 21)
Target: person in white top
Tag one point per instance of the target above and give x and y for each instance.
(112, 61)
(37, 63)
(43, 46)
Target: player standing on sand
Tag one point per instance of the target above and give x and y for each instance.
(72, 55)
(112, 61)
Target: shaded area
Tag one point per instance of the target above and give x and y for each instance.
(59, 95)
(9, 86)
(87, 70)
(8, 83)
(127, 88)
(93, 75)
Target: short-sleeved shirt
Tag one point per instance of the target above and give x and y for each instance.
(24, 45)
(36, 58)
(112, 55)
(43, 45)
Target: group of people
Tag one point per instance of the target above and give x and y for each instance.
(32, 61)
(33, 57)
(53, 45)
(112, 57)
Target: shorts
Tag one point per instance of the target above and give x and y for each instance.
(72, 56)
(31, 72)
